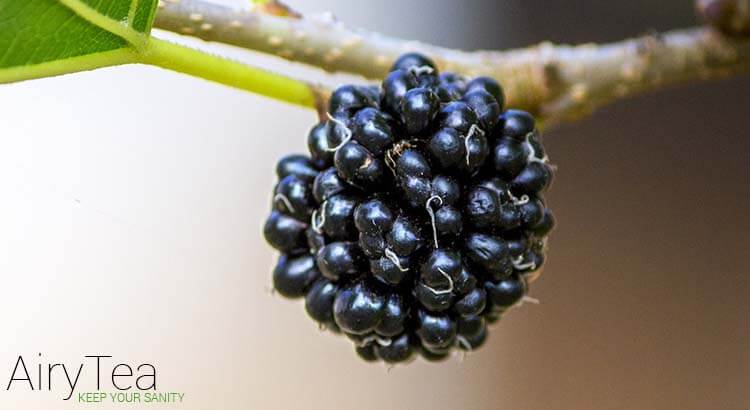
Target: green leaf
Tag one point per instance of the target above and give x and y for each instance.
(40, 38)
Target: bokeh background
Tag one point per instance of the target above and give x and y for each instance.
(132, 201)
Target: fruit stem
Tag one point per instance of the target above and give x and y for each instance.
(198, 63)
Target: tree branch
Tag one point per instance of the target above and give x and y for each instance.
(556, 82)
(729, 16)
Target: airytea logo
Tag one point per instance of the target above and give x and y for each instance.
(115, 382)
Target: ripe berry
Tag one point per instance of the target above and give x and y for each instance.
(340, 259)
(395, 314)
(509, 218)
(505, 292)
(412, 163)
(464, 282)
(510, 157)
(483, 209)
(294, 197)
(338, 131)
(405, 237)
(297, 165)
(328, 183)
(336, 215)
(531, 213)
(439, 269)
(485, 107)
(372, 129)
(470, 325)
(516, 124)
(489, 254)
(285, 233)
(447, 149)
(358, 166)
(489, 85)
(517, 245)
(452, 152)
(436, 332)
(473, 342)
(412, 60)
(545, 225)
(397, 350)
(367, 352)
(395, 86)
(448, 221)
(533, 179)
(418, 108)
(472, 303)
(472, 332)
(350, 98)
(449, 92)
(433, 300)
(372, 244)
(451, 87)
(317, 144)
(315, 240)
(358, 308)
(319, 300)
(373, 216)
(391, 271)
(293, 275)
(418, 217)
(459, 116)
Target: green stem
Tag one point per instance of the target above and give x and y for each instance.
(69, 65)
(234, 74)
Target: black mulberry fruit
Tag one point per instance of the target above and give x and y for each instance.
(418, 215)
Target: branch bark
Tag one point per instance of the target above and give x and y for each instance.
(729, 16)
(556, 82)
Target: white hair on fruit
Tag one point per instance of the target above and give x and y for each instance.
(318, 219)
(383, 341)
(532, 152)
(347, 133)
(518, 201)
(519, 264)
(473, 130)
(526, 299)
(394, 258)
(425, 69)
(283, 198)
(443, 291)
(432, 216)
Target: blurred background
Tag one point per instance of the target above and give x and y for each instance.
(133, 199)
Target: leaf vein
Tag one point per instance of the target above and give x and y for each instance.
(9, 21)
(131, 13)
(136, 39)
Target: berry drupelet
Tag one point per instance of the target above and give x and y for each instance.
(418, 216)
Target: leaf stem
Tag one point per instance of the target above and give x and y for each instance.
(198, 63)
(69, 65)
